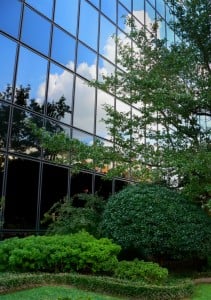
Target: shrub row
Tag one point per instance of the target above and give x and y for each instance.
(76, 252)
(107, 285)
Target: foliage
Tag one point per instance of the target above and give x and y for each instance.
(109, 285)
(83, 211)
(141, 270)
(154, 222)
(77, 252)
(170, 86)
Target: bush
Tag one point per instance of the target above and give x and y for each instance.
(77, 252)
(83, 211)
(156, 223)
(141, 270)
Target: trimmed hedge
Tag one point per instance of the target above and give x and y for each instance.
(108, 285)
(76, 252)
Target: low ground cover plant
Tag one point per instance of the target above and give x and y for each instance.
(79, 252)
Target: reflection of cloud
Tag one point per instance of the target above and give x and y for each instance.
(61, 84)
(109, 49)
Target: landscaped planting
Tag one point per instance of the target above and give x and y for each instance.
(140, 270)
(108, 285)
(79, 252)
(155, 223)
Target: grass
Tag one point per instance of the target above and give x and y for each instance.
(55, 293)
(202, 292)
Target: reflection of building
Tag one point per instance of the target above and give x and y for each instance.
(54, 46)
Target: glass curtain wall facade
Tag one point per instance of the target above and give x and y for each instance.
(50, 49)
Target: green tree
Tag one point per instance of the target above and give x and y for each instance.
(169, 138)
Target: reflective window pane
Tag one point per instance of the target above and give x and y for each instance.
(86, 62)
(122, 15)
(44, 6)
(84, 106)
(60, 94)
(81, 183)
(21, 194)
(7, 60)
(10, 16)
(170, 36)
(35, 31)
(102, 99)
(31, 72)
(161, 33)
(95, 2)
(150, 16)
(103, 187)
(138, 6)
(63, 48)
(2, 165)
(4, 119)
(54, 188)
(105, 68)
(152, 2)
(88, 28)
(127, 3)
(66, 14)
(107, 43)
(160, 6)
(23, 139)
(82, 137)
(108, 7)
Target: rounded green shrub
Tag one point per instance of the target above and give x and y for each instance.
(156, 223)
(141, 270)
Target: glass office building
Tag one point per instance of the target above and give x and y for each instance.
(49, 50)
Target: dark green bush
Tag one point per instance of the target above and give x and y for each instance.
(77, 252)
(141, 270)
(155, 223)
(81, 212)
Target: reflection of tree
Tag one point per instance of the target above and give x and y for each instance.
(22, 136)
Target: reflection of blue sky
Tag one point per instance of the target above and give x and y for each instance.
(63, 47)
(36, 31)
(44, 6)
(108, 7)
(160, 7)
(7, 59)
(138, 5)
(122, 14)
(11, 13)
(32, 70)
(88, 29)
(127, 3)
(151, 12)
(107, 29)
(66, 14)
(95, 2)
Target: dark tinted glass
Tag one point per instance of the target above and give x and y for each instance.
(21, 194)
(4, 119)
